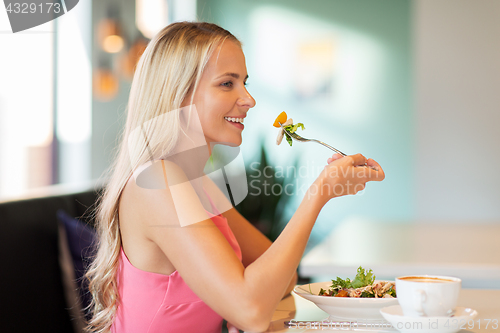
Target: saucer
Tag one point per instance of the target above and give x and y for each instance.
(394, 315)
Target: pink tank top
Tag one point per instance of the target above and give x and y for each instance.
(152, 302)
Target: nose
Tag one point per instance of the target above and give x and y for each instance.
(246, 100)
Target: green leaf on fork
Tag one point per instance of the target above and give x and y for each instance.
(292, 129)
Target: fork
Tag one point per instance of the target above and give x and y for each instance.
(297, 137)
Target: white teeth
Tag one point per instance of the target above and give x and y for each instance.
(234, 120)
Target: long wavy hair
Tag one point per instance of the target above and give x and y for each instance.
(169, 69)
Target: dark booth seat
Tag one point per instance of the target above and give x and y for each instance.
(33, 297)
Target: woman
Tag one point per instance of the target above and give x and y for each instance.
(173, 256)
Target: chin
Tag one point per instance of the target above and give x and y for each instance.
(234, 144)
(230, 143)
(237, 142)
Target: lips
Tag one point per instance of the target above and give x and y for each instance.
(236, 122)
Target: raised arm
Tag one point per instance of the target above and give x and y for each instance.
(244, 295)
(252, 242)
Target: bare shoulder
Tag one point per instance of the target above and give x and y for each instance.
(162, 195)
(147, 197)
(146, 210)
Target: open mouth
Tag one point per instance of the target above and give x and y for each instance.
(234, 120)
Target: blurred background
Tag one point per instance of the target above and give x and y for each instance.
(414, 84)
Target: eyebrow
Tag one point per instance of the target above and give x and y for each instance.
(235, 75)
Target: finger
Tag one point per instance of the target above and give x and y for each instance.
(372, 163)
(370, 173)
(334, 158)
(355, 160)
(379, 174)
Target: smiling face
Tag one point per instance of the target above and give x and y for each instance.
(221, 99)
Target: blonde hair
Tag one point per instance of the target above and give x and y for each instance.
(169, 69)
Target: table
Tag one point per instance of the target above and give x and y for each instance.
(465, 250)
(486, 302)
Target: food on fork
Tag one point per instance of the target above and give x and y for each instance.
(287, 123)
(280, 119)
(281, 132)
(364, 285)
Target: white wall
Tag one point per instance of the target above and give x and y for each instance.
(457, 114)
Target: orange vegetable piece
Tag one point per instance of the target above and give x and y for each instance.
(281, 119)
(342, 293)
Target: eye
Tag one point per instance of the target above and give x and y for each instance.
(227, 84)
(245, 83)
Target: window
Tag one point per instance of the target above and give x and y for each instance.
(26, 107)
(45, 103)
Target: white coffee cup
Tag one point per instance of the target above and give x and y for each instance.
(428, 296)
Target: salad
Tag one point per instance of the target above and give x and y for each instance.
(287, 124)
(364, 285)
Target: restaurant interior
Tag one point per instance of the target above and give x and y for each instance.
(413, 84)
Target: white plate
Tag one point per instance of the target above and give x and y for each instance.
(344, 308)
(394, 315)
